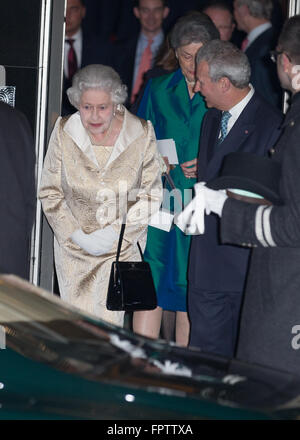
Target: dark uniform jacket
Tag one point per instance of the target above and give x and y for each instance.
(271, 310)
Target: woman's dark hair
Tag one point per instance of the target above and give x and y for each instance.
(166, 56)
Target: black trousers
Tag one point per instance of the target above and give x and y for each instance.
(214, 318)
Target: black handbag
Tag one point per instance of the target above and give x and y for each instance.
(131, 284)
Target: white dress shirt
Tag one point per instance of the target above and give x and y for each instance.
(238, 108)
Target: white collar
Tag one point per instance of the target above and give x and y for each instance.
(131, 129)
(239, 107)
(76, 37)
(256, 32)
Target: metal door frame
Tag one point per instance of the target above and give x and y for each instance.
(49, 105)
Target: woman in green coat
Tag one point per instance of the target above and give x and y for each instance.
(176, 112)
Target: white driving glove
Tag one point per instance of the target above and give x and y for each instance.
(191, 219)
(98, 242)
(214, 199)
(206, 200)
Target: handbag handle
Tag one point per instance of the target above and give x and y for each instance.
(120, 243)
(170, 181)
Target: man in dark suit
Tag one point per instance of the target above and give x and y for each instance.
(128, 54)
(81, 49)
(239, 120)
(17, 191)
(253, 17)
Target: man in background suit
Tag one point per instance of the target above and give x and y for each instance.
(81, 49)
(253, 17)
(239, 120)
(17, 191)
(221, 14)
(129, 53)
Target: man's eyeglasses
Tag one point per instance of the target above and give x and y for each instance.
(275, 53)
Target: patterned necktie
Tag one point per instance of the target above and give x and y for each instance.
(72, 59)
(145, 65)
(224, 123)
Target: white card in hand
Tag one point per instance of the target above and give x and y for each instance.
(162, 220)
(167, 148)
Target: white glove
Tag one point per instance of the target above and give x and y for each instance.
(214, 200)
(98, 242)
(191, 219)
(206, 200)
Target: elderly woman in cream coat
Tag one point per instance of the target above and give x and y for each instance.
(101, 168)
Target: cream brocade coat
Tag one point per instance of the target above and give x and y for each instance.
(76, 193)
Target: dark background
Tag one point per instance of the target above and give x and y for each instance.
(109, 19)
(115, 18)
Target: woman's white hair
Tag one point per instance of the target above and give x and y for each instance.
(97, 76)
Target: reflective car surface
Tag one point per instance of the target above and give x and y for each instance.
(59, 363)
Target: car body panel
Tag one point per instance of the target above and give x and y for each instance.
(60, 363)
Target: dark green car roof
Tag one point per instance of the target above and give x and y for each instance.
(60, 363)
